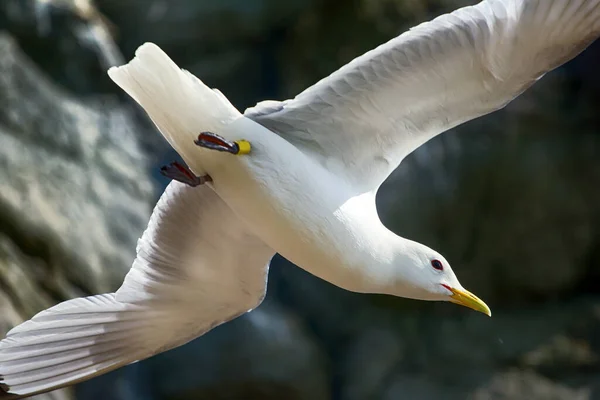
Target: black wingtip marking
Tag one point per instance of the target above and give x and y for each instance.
(3, 387)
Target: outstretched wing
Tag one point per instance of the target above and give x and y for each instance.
(197, 266)
(367, 116)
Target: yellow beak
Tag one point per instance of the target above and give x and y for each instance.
(468, 299)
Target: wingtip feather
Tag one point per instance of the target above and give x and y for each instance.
(71, 342)
(4, 390)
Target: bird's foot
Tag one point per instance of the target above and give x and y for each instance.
(182, 173)
(213, 141)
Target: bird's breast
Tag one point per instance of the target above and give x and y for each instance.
(296, 206)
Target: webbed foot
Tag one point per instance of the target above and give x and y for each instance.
(182, 173)
(213, 141)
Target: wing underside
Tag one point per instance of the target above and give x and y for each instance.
(197, 266)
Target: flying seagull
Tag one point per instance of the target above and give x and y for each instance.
(297, 177)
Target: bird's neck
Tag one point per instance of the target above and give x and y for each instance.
(394, 268)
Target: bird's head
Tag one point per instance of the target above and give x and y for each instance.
(424, 274)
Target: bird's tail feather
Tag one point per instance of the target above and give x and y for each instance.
(179, 104)
(73, 341)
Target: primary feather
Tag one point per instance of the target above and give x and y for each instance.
(196, 267)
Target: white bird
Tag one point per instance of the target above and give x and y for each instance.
(303, 184)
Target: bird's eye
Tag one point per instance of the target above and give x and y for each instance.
(437, 264)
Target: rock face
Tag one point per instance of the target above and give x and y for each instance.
(511, 199)
(74, 191)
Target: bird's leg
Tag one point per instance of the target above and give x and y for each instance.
(213, 141)
(182, 173)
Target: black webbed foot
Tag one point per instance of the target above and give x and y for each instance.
(182, 173)
(213, 141)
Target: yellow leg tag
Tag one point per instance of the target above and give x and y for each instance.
(244, 146)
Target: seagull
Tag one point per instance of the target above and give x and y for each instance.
(298, 178)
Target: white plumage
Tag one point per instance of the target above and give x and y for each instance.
(184, 282)
(306, 190)
(378, 108)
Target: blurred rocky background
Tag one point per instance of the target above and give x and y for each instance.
(512, 199)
